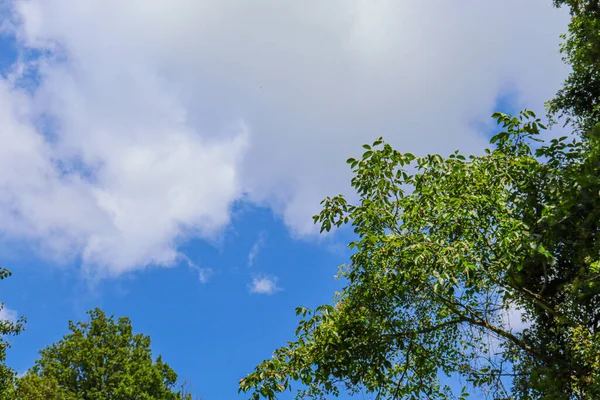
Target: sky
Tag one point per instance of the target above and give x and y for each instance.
(162, 159)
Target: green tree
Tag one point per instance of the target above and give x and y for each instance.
(7, 328)
(445, 248)
(579, 98)
(103, 359)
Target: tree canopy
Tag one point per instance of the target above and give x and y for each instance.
(437, 267)
(449, 248)
(579, 98)
(100, 359)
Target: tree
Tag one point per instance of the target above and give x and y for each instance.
(7, 328)
(579, 98)
(445, 248)
(103, 359)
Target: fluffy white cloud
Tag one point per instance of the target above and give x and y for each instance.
(151, 117)
(264, 285)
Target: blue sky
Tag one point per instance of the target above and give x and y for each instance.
(213, 333)
(162, 160)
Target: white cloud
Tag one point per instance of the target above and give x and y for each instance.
(146, 97)
(6, 314)
(256, 247)
(264, 285)
(204, 274)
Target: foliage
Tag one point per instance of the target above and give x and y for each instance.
(445, 248)
(7, 328)
(579, 98)
(104, 359)
(35, 387)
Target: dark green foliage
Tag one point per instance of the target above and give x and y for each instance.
(579, 98)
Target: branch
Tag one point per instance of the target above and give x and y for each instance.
(430, 329)
(475, 319)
